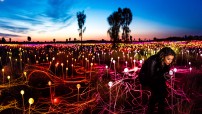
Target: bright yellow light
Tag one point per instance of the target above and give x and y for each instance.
(31, 101)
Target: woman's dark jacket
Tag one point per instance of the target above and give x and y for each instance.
(152, 72)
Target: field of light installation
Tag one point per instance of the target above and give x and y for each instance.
(64, 78)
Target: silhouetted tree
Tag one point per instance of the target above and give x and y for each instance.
(131, 38)
(114, 21)
(81, 17)
(54, 40)
(74, 39)
(3, 40)
(9, 39)
(69, 39)
(29, 39)
(126, 20)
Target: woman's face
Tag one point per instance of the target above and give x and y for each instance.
(168, 59)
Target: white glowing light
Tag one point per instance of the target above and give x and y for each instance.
(190, 68)
(106, 67)
(125, 70)
(8, 77)
(22, 92)
(114, 61)
(171, 72)
(110, 84)
(175, 70)
(140, 61)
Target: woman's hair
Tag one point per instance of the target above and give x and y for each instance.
(165, 52)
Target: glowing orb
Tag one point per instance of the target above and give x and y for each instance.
(110, 84)
(125, 70)
(8, 77)
(78, 86)
(140, 61)
(22, 92)
(55, 101)
(31, 101)
(49, 83)
(190, 68)
(175, 70)
(171, 72)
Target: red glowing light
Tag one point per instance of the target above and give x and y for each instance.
(56, 101)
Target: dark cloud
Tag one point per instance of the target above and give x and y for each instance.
(8, 35)
(15, 29)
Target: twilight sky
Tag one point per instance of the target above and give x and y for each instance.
(44, 20)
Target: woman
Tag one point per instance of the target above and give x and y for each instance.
(152, 76)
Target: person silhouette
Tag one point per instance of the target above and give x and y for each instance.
(152, 76)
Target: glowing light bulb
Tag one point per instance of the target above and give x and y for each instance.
(22, 92)
(175, 69)
(190, 69)
(125, 70)
(78, 86)
(106, 67)
(31, 101)
(25, 73)
(49, 83)
(171, 72)
(8, 77)
(140, 61)
(55, 101)
(110, 84)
